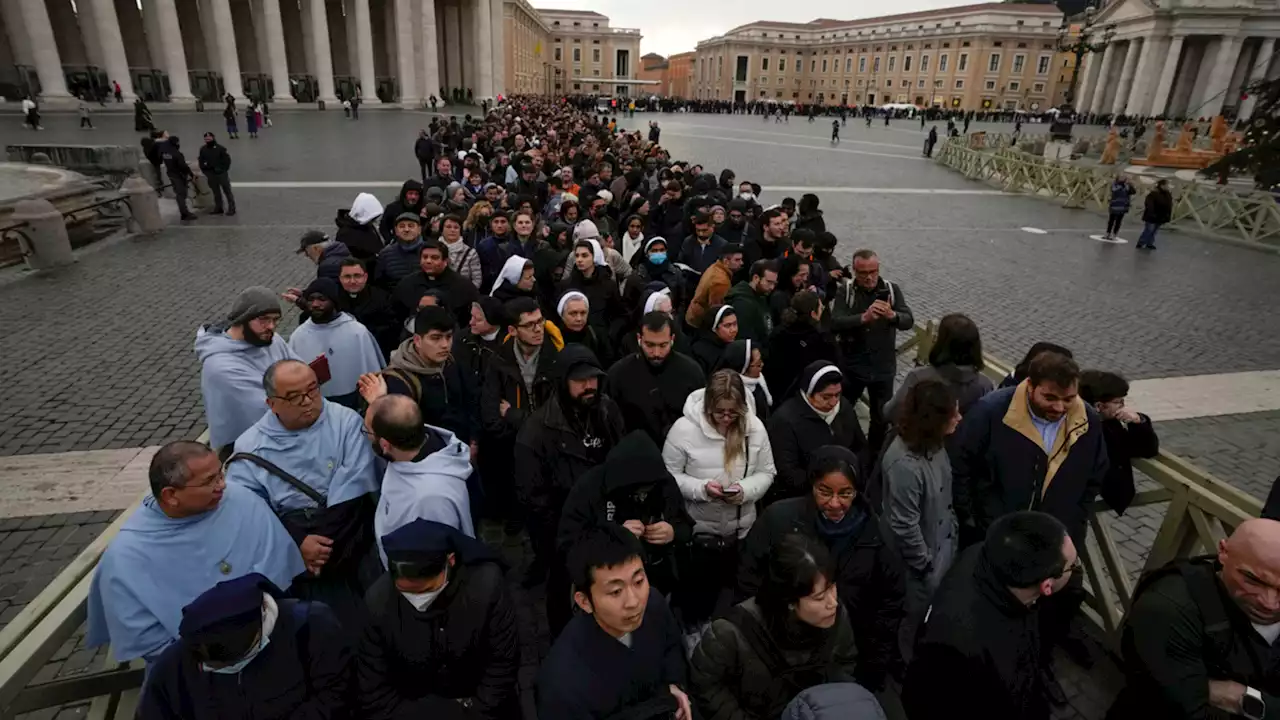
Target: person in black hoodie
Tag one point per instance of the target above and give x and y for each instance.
(410, 199)
(568, 435)
(441, 630)
(634, 489)
(425, 150)
(869, 574)
(978, 654)
(357, 231)
(810, 217)
(812, 414)
(655, 267)
(651, 385)
(1129, 434)
(436, 275)
(666, 215)
(369, 304)
(799, 341)
(768, 241)
(709, 346)
(592, 277)
(622, 657)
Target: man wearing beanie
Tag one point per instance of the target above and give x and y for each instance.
(335, 341)
(233, 355)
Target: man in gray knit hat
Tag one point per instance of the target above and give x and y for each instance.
(234, 355)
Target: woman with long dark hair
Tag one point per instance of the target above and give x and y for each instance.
(955, 358)
(794, 634)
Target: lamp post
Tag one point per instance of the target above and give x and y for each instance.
(1082, 45)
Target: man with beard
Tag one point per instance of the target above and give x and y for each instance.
(408, 201)
(571, 433)
(336, 345)
(1036, 445)
(703, 247)
(233, 356)
(308, 459)
(651, 385)
(714, 284)
(750, 300)
(734, 227)
(770, 241)
(434, 274)
(369, 304)
(427, 469)
(516, 384)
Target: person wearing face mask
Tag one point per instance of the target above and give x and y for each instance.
(441, 631)
(834, 511)
(655, 271)
(710, 343)
(651, 384)
(427, 469)
(573, 309)
(233, 355)
(337, 341)
(569, 434)
(246, 650)
(794, 634)
(745, 358)
(812, 414)
(308, 459)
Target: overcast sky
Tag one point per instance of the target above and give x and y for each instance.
(673, 26)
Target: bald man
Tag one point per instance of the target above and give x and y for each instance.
(1200, 639)
(427, 469)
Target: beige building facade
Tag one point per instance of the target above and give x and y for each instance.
(588, 56)
(991, 55)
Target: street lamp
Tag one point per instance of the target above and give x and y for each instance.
(1082, 45)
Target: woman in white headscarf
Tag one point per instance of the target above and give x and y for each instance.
(358, 229)
(514, 280)
(812, 416)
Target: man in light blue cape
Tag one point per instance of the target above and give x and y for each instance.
(192, 532)
(233, 356)
(349, 349)
(309, 460)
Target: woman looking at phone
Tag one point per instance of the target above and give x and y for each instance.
(720, 456)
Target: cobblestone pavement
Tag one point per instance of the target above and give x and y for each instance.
(100, 355)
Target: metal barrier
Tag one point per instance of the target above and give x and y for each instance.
(1203, 509)
(1235, 215)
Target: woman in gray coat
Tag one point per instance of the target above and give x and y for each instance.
(918, 513)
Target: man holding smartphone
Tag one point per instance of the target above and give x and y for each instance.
(866, 314)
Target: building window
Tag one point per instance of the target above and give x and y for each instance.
(813, 66)
(799, 64)
(557, 86)
(1019, 63)
(990, 85)
(937, 84)
(1015, 86)
(779, 81)
(824, 65)
(764, 64)
(862, 64)
(848, 64)
(861, 82)
(906, 83)
(959, 84)
(595, 88)
(892, 61)
(1042, 67)
(920, 83)
(942, 63)
(558, 54)
(963, 63)
(875, 65)
(993, 63)
(906, 64)
(1038, 88)
(924, 63)
(576, 87)
(595, 55)
(595, 73)
(577, 55)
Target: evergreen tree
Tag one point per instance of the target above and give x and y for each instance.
(1258, 155)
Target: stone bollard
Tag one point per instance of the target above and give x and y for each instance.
(201, 196)
(144, 206)
(40, 158)
(43, 239)
(148, 172)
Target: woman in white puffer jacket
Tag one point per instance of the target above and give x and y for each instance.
(720, 456)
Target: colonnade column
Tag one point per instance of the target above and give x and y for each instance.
(107, 28)
(1139, 90)
(1126, 76)
(226, 61)
(404, 53)
(1165, 85)
(1213, 95)
(484, 49)
(173, 58)
(1257, 74)
(1104, 72)
(430, 51)
(44, 49)
(1084, 91)
(363, 60)
(321, 59)
(498, 25)
(277, 60)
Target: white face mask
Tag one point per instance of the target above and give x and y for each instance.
(422, 601)
(270, 611)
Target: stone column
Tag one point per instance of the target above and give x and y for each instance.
(1084, 90)
(1197, 93)
(1126, 77)
(364, 52)
(172, 57)
(409, 97)
(1140, 89)
(1224, 63)
(1257, 74)
(133, 34)
(1097, 102)
(430, 50)
(321, 59)
(44, 49)
(1165, 85)
(452, 48)
(87, 21)
(497, 27)
(484, 49)
(228, 61)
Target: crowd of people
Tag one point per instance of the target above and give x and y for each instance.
(650, 377)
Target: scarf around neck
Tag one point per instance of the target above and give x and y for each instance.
(827, 417)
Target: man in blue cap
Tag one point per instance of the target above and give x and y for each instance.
(246, 651)
(441, 636)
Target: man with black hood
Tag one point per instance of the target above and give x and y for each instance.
(651, 385)
(634, 489)
(180, 174)
(409, 200)
(442, 630)
(810, 217)
(245, 650)
(568, 435)
(725, 188)
(425, 150)
(434, 274)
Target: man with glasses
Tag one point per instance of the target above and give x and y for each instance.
(308, 458)
(233, 356)
(978, 653)
(192, 531)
